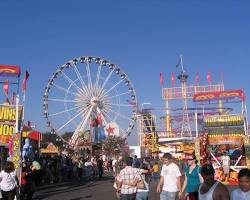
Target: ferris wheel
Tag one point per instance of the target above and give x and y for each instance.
(89, 89)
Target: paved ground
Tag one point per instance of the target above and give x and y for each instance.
(89, 190)
(86, 190)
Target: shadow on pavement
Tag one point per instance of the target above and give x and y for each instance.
(46, 191)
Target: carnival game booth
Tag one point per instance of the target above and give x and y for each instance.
(50, 149)
(224, 132)
(179, 147)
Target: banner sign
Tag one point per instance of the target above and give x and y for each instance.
(226, 131)
(223, 120)
(8, 113)
(16, 151)
(225, 139)
(8, 122)
(227, 94)
(7, 70)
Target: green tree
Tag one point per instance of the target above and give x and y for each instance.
(113, 145)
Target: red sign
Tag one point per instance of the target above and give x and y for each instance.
(227, 94)
(7, 70)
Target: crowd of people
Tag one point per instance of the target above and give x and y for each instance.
(175, 180)
(48, 169)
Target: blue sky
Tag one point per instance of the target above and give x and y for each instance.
(142, 37)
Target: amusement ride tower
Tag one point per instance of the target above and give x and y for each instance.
(185, 126)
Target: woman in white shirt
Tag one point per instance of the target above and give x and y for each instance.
(9, 181)
(142, 193)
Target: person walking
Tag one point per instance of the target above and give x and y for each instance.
(136, 162)
(225, 160)
(170, 179)
(128, 178)
(211, 189)
(155, 169)
(79, 168)
(142, 193)
(9, 182)
(100, 167)
(192, 179)
(118, 166)
(114, 166)
(243, 192)
(28, 184)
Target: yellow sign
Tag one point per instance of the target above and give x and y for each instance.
(226, 131)
(8, 113)
(224, 120)
(6, 130)
(8, 122)
(16, 151)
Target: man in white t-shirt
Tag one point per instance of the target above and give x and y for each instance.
(170, 179)
(225, 160)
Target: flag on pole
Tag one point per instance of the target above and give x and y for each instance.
(221, 76)
(172, 78)
(197, 78)
(6, 87)
(26, 76)
(161, 79)
(179, 62)
(13, 98)
(7, 102)
(208, 77)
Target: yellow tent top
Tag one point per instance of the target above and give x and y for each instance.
(51, 148)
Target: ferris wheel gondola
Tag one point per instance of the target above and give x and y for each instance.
(87, 88)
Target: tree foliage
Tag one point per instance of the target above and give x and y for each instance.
(113, 145)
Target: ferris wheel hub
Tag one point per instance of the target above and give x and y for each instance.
(94, 101)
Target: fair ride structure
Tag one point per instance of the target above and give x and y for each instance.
(92, 98)
(224, 132)
(179, 129)
(209, 122)
(182, 123)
